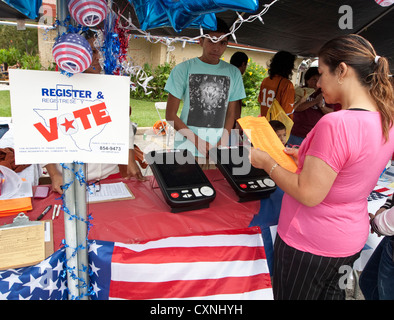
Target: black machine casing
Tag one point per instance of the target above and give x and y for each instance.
(248, 182)
(182, 182)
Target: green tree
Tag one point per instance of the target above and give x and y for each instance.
(155, 87)
(26, 41)
(10, 56)
(253, 77)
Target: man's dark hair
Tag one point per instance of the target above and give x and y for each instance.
(221, 27)
(238, 58)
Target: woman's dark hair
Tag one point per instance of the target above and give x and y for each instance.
(373, 71)
(88, 34)
(282, 64)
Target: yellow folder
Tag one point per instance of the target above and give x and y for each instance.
(263, 137)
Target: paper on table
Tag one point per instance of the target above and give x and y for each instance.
(263, 137)
(22, 246)
(110, 192)
(13, 206)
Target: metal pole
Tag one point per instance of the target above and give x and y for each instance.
(70, 232)
(70, 225)
(80, 211)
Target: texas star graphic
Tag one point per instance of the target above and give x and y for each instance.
(80, 132)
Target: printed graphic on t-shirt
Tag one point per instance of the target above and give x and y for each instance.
(208, 100)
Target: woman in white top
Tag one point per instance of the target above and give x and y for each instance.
(377, 278)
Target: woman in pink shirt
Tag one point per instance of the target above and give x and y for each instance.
(324, 222)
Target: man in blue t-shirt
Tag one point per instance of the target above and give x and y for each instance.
(210, 89)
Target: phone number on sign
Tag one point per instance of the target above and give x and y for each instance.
(110, 148)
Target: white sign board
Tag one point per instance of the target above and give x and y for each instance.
(61, 119)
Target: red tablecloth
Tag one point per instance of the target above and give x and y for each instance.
(148, 216)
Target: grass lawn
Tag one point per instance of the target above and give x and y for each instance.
(5, 105)
(143, 112)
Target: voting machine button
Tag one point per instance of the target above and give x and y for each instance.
(261, 184)
(197, 192)
(269, 182)
(206, 191)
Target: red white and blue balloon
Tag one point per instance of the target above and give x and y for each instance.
(72, 53)
(88, 13)
(384, 3)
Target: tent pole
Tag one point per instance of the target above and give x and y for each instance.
(70, 225)
(374, 20)
(81, 224)
(70, 232)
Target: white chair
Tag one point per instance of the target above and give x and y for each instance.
(167, 128)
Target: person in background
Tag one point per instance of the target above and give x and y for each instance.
(280, 130)
(309, 110)
(210, 89)
(377, 278)
(278, 85)
(240, 60)
(321, 227)
(99, 171)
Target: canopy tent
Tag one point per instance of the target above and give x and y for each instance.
(303, 26)
(298, 26)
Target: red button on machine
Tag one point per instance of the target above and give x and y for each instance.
(243, 186)
(175, 195)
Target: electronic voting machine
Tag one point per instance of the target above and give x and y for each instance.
(181, 180)
(248, 182)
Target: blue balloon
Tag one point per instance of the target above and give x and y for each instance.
(181, 18)
(29, 8)
(249, 6)
(204, 6)
(182, 14)
(150, 14)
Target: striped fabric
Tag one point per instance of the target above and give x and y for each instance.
(220, 265)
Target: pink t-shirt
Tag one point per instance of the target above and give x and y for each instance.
(352, 144)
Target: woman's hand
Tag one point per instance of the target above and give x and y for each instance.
(372, 216)
(259, 159)
(292, 152)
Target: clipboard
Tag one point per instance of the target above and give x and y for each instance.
(110, 192)
(25, 243)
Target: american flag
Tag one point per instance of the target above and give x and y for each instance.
(44, 281)
(383, 190)
(72, 53)
(217, 265)
(88, 13)
(221, 265)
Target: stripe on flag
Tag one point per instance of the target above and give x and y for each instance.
(383, 190)
(227, 264)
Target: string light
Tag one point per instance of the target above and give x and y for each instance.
(169, 40)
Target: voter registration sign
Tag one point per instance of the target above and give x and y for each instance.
(60, 119)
